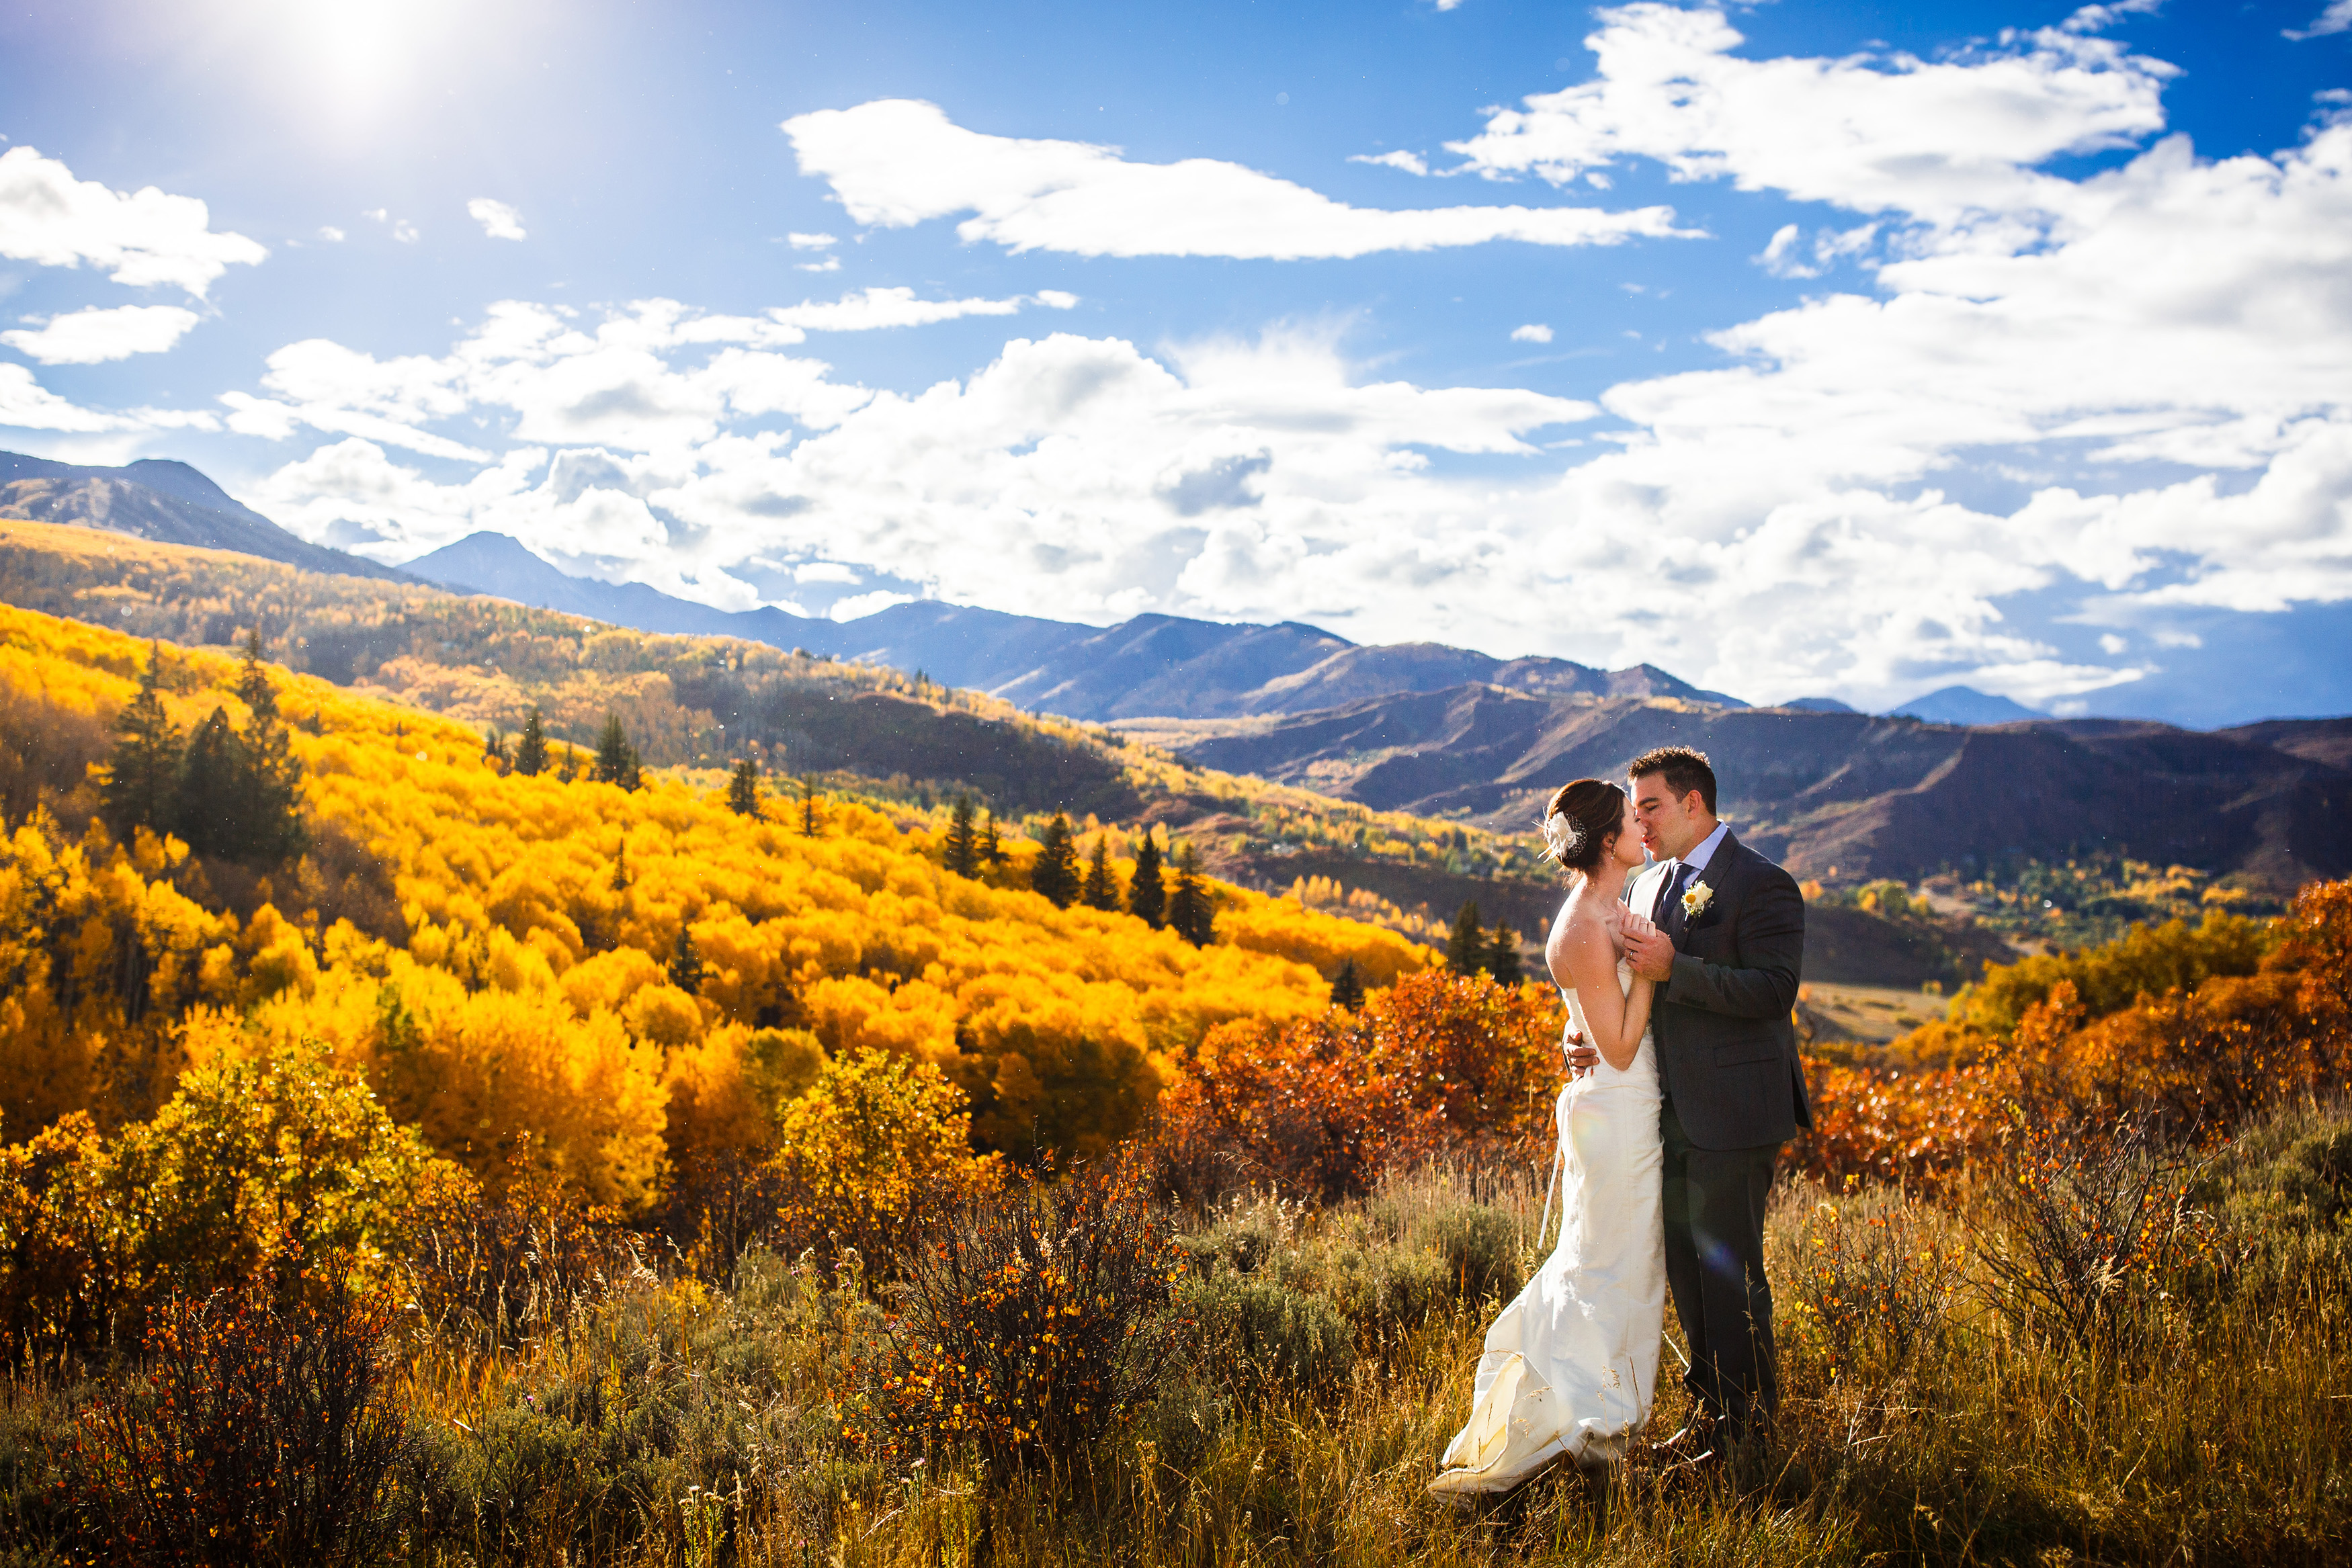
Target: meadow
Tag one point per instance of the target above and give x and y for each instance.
(493, 1162)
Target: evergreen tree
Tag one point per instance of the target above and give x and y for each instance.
(253, 687)
(266, 799)
(621, 866)
(992, 846)
(530, 751)
(963, 845)
(743, 788)
(686, 962)
(1190, 911)
(145, 765)
(808, 806)
(206, 801)
(1502, 956)
(1466, 950)
(1054, 872)
(1101, 891)
(571, 768)
(616, 760)
(1348, 988)
(1147, 898)
(494, 747)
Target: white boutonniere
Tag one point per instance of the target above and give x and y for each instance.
(1697, 900)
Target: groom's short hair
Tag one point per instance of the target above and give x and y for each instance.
(1684, 768)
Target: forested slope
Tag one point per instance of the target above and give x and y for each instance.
(594, 976)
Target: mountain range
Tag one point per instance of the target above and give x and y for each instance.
(1846, 795)
(1959, 779)
(1150, 666)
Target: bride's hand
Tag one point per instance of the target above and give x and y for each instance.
(1635, 924)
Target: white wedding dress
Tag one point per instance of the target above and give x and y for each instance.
(1570, 1366)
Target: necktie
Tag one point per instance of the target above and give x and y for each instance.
(1678, 885)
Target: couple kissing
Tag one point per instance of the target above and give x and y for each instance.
(1678, 951)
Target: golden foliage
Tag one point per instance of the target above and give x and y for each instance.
(533, 999)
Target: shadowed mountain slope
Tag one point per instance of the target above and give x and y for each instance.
(1871, 797)
(168, 502)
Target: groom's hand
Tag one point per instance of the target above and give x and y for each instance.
(1582, 1058)
(1653, 953)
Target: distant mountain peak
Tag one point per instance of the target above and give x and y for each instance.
(1964, 705)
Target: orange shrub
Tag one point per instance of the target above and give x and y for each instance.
(1324, 1105)
(2249, 1014)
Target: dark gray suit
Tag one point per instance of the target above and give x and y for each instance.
(1734, 1093)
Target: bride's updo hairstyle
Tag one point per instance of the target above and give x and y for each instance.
(1581, 819)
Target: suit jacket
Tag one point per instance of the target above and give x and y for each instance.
(1726, 1047)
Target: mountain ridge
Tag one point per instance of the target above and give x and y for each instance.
(1869, 796)
(165, 500)
(1152, 665)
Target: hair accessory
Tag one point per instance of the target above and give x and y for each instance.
(1563, 836)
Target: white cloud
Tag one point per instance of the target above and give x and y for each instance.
(499, 220)
(2098, 18)
(2336, 18)
(1533, 332)
(1411, 163)
(145, 238)
(830, 264)
(811, 242)
(1955, 143)
(95, 336)
(330, 233)
(28, 405)
(896, 162)
(617, 385)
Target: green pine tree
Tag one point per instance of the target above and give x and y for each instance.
(530, 751)
(686, 962)
(264, 796)
(253, 687)
(144, 770)
(1502, 956)
(808, 806)
(1147, 897)
(1466, 950)
(621, 879)
(1348, 988)
(1191, 914)
(494, 747)
(962, 846)
(616, 760)
(1101, 889)
(1054, 872)
(991, 845)
(207, 800)
(743, 788)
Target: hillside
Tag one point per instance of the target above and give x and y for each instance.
(158, 499)
(1844, 795)
(531, 947)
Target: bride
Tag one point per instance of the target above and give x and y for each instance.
(1568, 1368)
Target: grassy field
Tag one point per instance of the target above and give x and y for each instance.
(1938, 1407)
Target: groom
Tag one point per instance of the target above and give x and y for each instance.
(1726, 956)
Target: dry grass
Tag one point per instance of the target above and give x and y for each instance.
(1942, 1420)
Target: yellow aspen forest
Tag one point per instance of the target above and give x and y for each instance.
(552, 973)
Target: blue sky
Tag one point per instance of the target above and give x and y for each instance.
(1797, 348)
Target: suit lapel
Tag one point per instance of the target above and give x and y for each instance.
(1718, 866)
